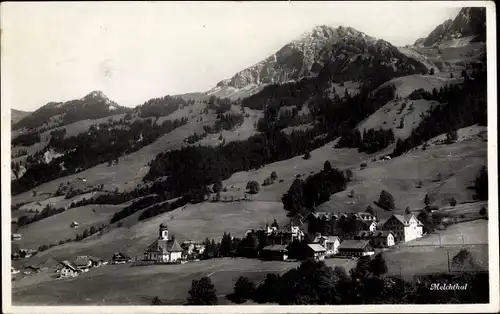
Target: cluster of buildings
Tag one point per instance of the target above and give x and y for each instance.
(167, 250)
(398, 228)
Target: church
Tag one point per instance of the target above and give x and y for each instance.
(164, 250)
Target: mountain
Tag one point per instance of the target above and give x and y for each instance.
(95, 105)
(347, 53)
(470, 22)
(16, 115)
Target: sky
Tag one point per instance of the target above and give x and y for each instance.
(134, 51)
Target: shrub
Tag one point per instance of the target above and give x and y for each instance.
(253, 187)
(370, 210)
(274, 176)
(363, 165)
(483, 211)
(307, 155)
(453, 202)
(427, 200)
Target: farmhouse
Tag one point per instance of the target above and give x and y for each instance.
(404, 227)
(355, 248)
(120, 258)
(162, 249)
(74, 224)
(13, 271)
(377, 238)
(16, 237)
(275, 252)
(83, 263)
(316, 251)
(330, 243)
(285, 236)
(67, 269)
(31, 269)
(329, 223)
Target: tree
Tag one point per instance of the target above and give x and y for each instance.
(427, 200)
(378, 266)
(85, 234)
(369, 210)
(92, 230)
(217, 186)
(156, 301)
(386, 200)
(327, 166)
(253, 187)
(349, 175)
(483, 211)
(351, 194)
(451, 75)
(431, 72)
(243, 289)
(275, 224)
(481, 184)
(453, 202)
(451, 137)
(307, 155)
(202, 292)
(274, 176)
(407, 210)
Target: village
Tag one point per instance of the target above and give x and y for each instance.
(289, 243)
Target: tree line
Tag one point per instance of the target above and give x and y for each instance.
(367, 283)
(465, 105)
(85, 150)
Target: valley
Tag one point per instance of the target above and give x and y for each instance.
(329, 124)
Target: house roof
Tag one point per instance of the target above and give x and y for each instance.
(120, 256)
(373, 234)
(82, 261)
(276, 248)
(353, 244)
(316, 247)
(32, 267)
(69, 265)
(328, 238)
(165, 246)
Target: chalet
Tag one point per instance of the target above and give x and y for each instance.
(163, 249)
(83, 263)
(377, 238)
(13, 271)
(275, 252)
(74, 224)
(16, 237)
(31, 269)
(120, 258)
(285, 236)
(355, 248)
(67, 269)
(96, 261)
(328, 222)
(188, 247)
(316, 251)
(330, 243)
(404, 227)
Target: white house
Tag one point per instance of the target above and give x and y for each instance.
(377, 238)
(404, 227)
(67, 269)
(164, 250)
(330, 243)
(83, 263)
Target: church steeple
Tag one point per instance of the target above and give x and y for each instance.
(163, 232)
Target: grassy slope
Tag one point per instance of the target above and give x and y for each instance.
(390, 115)
(53, 229)
(458, 163)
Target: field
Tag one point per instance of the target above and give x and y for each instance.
(426, 256)
(126, 285)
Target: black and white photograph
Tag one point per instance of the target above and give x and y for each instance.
(249, 157)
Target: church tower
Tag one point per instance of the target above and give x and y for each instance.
(163, 232)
